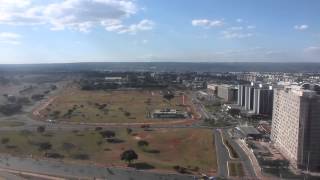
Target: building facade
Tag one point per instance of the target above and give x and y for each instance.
(296, 125)
(256, 98)
(228, 93)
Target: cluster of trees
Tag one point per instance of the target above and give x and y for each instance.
(14, 104)
(107, 134)
(10, 109)
(168, 96)
(37, 97)
(90, 85)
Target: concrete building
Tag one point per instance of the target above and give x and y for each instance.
(248, 132)
(255, 98)
(169, 114)
(241, 95)
(296, 125)
(228, 92)
(213, 88)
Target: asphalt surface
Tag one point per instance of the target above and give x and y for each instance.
(249, 170)
(222, 155)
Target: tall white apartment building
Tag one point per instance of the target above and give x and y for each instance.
(296, 125)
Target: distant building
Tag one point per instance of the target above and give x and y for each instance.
(169, 113)
(249, 132)
(114, 80)
(256, 98)
(212, 88)
(206, 96)
(296, 125)
(249, 77)
(227, 92)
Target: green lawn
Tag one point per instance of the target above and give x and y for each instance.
(10, 123)
(213, 108)
(75, 105)
(236, 169)
(189, 148)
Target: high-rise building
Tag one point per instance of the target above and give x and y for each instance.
(227, 92)
(256, 98)
(241, 95)
(296, 125)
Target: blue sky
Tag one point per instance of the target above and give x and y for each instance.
(52, 31)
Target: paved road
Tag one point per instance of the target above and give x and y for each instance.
(242, 155)
(222, 155)
(6, 175)
(55, 168)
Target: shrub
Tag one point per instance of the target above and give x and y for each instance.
(5, 140)
(127, 114)
(180, 169)
(54, 155)
(81, 156)
(129, 130)
(143, 143)
(108, 134)
(41, 129)
(44, 146)
(115, 140)
(98, 128)
(68, 146)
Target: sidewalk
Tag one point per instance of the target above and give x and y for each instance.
(252, 157)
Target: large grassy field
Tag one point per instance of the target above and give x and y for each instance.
(192, 149)
(75, 105)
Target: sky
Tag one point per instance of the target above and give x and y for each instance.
(58, 31)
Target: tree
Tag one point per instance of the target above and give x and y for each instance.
(129, 130)
(168, 96)
(9, 109)
(44, 146)
(143, 143)
(129, 156)
(41, 129)
(108, 134)
(5, 140)
(234, 112)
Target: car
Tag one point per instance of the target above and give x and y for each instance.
(51, 120)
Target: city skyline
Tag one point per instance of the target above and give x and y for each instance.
(56, 31)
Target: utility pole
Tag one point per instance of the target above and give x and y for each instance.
(308, 164)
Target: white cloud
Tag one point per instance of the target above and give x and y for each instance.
(237, 32)
(236, 35)
(301, 27)
(251, 27)
(14, 3)
(239, 20)
(236, 28)
(9, 38)
(117, 26)
(207, 23)
(80, 15)
(313, 50)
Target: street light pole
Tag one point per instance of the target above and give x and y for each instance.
(308, 164)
